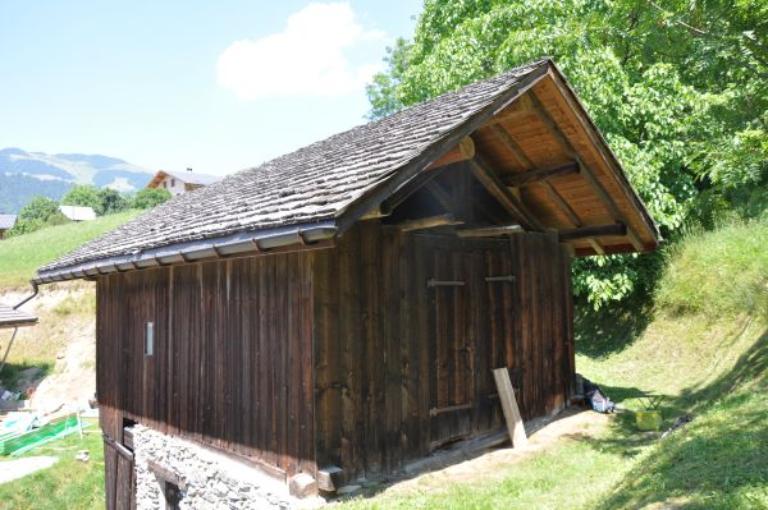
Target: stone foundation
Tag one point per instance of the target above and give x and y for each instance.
(206, 479)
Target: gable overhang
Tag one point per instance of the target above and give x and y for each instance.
(625, 226)
(373, 197)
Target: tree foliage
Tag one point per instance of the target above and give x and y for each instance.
(101, 200)
(148, 198)
(679, 89)
(84, 195)
(39, 212)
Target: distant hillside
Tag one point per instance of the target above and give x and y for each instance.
(20, 256)
(26, 174)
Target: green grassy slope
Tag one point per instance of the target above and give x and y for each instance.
(21, 256)
(702, 349)
(67, 484)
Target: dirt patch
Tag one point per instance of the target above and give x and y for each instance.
(14, 469)
(569, 424)
(63, 342)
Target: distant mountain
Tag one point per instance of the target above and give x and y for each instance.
(24, 175)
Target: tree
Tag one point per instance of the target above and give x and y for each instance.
(38, 213)
(150, 197)
(84, 195)
(679, 91)
(110, 202)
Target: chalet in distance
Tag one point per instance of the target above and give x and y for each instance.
(177, 183)
(336, 313)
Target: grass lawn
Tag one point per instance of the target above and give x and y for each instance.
(20, 256)
(67, 484)
(719, 460)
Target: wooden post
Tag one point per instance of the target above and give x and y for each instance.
(509, 406)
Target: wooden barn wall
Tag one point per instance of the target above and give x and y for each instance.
(402, 368)
(232, 363)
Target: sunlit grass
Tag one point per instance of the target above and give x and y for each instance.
(67, 484)
(720, 272)
(20, 256)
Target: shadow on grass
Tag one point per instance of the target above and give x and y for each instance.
(611, 329)
(720, 460)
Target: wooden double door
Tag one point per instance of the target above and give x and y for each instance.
(471, 295)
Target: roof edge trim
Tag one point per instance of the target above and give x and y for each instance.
(192, 251)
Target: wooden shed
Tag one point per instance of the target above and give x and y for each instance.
(342, 307)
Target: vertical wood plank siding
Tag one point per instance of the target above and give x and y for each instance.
(342, 356)
(232, 364)
(389, 349)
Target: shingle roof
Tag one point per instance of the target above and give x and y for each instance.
(7, 221)
(10, 318)
(316, 183)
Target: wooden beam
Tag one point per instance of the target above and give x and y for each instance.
(509, 407)
(374, 213)
(595, 184)
(512, 146)
(463, 151)
(563, 205)
(440, 194)
(492, 231)
(612, 229)
(541, 174)
(496, 189)
(519, 108)
(329, 478)
(598, 249)
(406, 190)
(441, 220)
(517, 151)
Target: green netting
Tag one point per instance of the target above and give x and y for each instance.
(20, 443)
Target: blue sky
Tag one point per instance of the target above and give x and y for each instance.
(217, 86)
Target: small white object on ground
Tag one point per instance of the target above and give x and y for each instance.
(83, 456)
(14, 469)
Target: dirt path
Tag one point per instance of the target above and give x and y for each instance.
(570, 423)
(64, 338)
(14, 469)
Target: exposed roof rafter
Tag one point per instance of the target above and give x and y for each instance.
(496, 188)
(587, 172)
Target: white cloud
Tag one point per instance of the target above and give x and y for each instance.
(309, 57)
